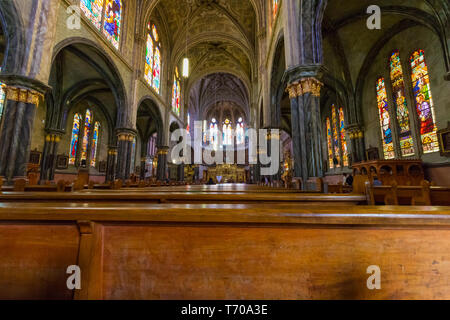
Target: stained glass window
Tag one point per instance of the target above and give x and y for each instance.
(240, 134)
(113, 21)
(152, 72)
(93, 9)
(75, 137)
(335, 136)
(176, 93)
(227, 133)
(275, 7)
(188, 127)
(398, 87)
(86, 134)
(343, 137)
(329, 143)
(424, 102)
(214, 134)
(94, 147)
(385, 120)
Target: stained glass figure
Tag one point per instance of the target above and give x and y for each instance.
(74, 140)
(93, 9)
(188, 127)
(385, 120)
(152, 72)
(176, 94)
(227, 133)
(343, 137)
(424, 102)
(330, 144)
(398, 88)
(94, 147)
(214, 134)
(335, 135)
(240, 134)
(86, 135)
(113, 21)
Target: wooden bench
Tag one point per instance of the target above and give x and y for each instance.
(140, 196)
(141, 251)
(409, 195)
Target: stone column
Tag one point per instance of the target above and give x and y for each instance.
(306, 127)
(124, 148)
(357, 144)
(163, 152)
(49, 155)
(111, 163)
(22, 99)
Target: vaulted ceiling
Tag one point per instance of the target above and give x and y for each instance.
(218, 36)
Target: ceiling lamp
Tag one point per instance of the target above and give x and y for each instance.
(186, 67)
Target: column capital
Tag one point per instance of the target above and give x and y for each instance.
(23, 95)
(304, 86)
(125, 134)
(355, 131)
(22, 82)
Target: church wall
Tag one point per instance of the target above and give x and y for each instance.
(121, 59)
(38, 136)
(406, 42)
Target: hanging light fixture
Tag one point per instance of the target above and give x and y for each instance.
(186, 59)
(186, 67)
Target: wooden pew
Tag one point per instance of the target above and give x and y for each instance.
(124, 196)
(140, 251)
(409, 195)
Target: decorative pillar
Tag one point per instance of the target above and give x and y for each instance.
(306, 127)
(49, 155)
(111, 163)
(124, 148)
(163, 152)
(15, 134)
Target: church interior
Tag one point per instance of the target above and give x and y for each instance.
(136, 138)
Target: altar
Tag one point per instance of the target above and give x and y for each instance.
(229, 173)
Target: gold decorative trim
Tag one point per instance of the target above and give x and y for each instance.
(23, 95)
(307, 85)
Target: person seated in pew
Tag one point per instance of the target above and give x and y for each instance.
(210, 182)
(377, 182)
(349, 180)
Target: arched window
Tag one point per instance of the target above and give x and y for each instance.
(398, 87)
(93, 10)
(95, 143)
(86, 138)
(188, 127)
(329, 143)
(74, 139)
(343, 137)
(335, 136)
(214, 134)
(424, 102)
(108, 11)
(86, 134)
(275, 7)
(227, 133)
(153, 58)
(176, 93)
(385, 120)
(113, 21)
(240, 134)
